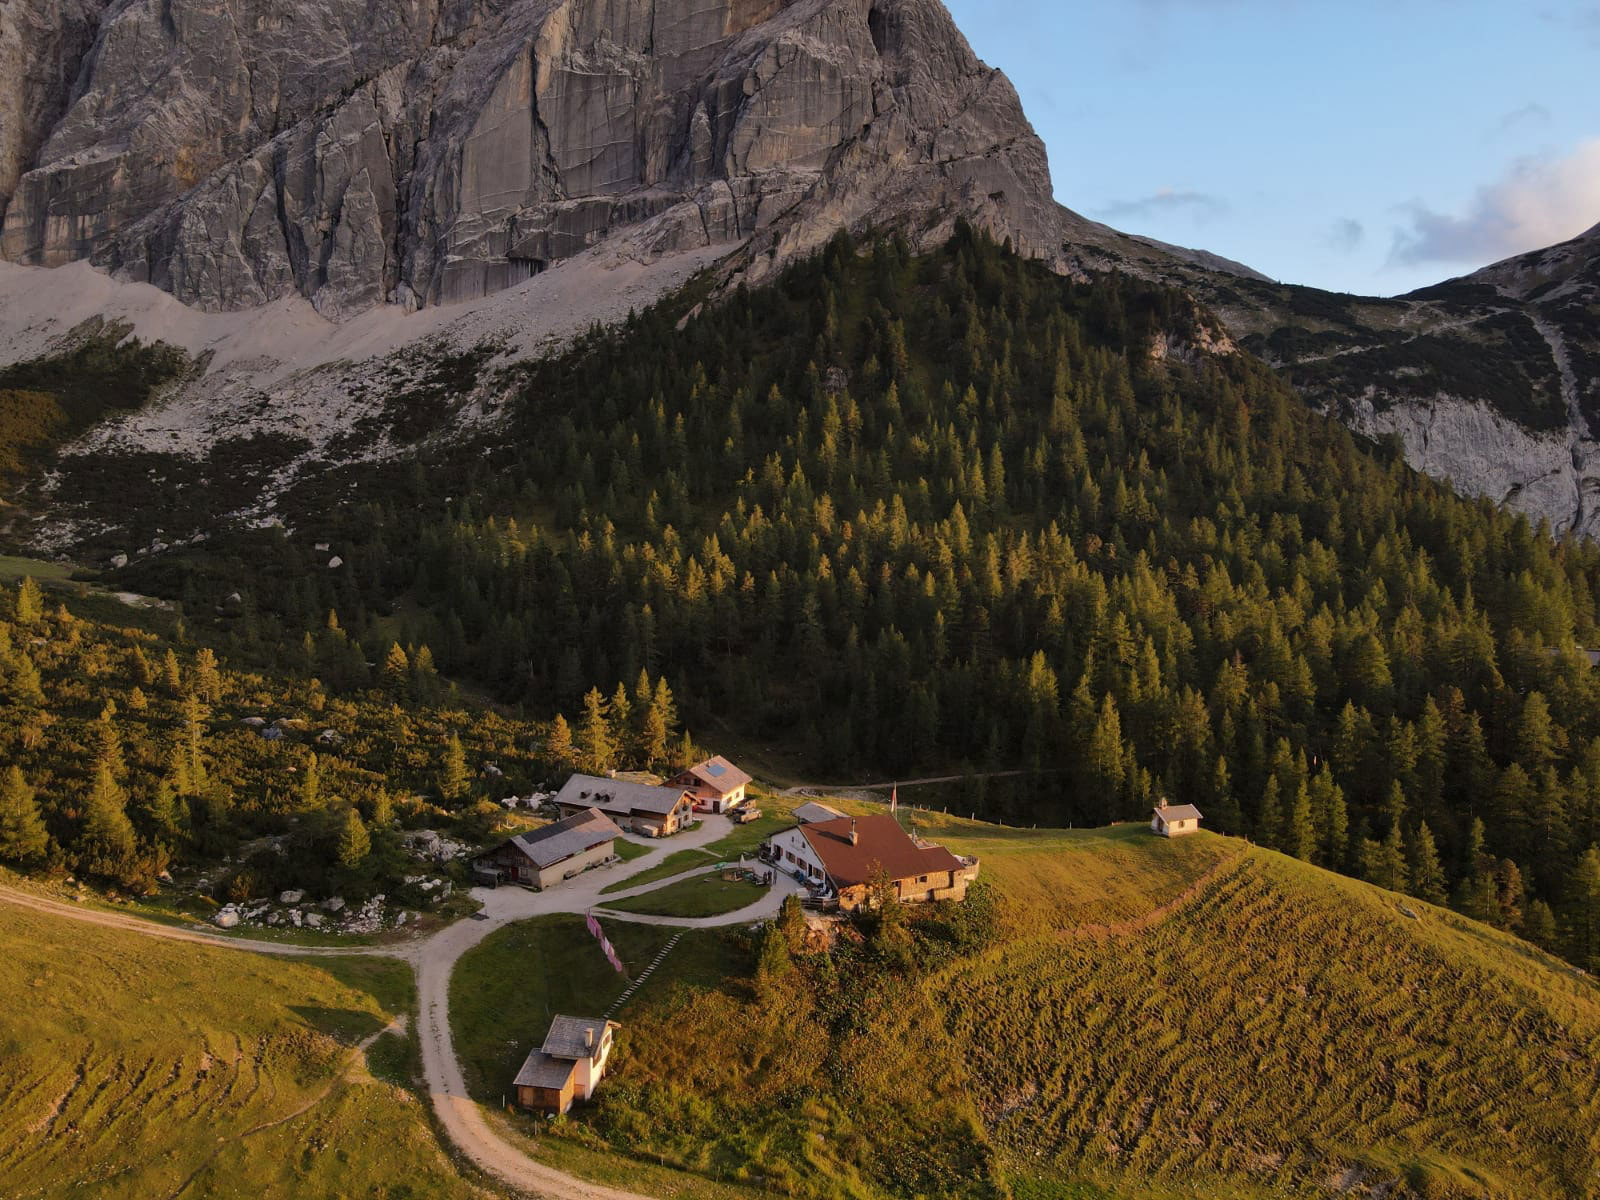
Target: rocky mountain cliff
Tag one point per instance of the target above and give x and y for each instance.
(232, 152)
(1491, 380)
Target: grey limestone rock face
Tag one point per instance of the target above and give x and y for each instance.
(361, 152)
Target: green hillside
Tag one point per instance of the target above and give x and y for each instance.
(1111, 1016)
(133, 1067)
(912, 514)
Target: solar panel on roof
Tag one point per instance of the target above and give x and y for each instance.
(714, 769)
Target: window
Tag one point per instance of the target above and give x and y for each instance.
(922, 879)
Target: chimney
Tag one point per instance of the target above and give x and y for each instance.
(854, 836)
(588, 1040)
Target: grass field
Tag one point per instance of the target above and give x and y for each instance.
(1289, 1028)
(14, 569)
(628, 851)
(136, 1067)
(675, 863)
(704, 896)
(505, 991)
(1149, 1020)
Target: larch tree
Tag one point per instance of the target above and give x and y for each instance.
(454, 782)
(558, 743)
(354, 843)
(594, 734)
(30, 604)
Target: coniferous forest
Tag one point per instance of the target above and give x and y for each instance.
(903, 512)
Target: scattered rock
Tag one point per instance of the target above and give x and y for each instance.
(315, 920)
(334, 904)
(118, 561)
(335, 563)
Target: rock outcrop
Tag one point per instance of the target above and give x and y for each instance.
(233, 152)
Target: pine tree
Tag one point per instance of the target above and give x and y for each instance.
(109, 742)
(106, 846)
(1300, 835)
(454, 783)
(1384, 863)
(1427, 875)
(1583, 911)
(1539, 925)
(354, 842)
(1269, 825)
(158, 813)
(23, 838)
(30, 604)
(594, 734)
(619, 715)
(26, 686)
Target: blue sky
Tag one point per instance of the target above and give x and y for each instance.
(1371, 146)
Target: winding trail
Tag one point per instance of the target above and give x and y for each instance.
(434, 960)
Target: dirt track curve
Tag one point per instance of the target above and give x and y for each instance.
(434, 960)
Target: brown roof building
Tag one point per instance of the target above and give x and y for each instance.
(844, 855)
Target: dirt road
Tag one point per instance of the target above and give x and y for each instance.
(434, 960)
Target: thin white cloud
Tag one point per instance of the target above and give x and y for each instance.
(1540, 201)
(1201, 206)
(1346, 235)
(1528, 114)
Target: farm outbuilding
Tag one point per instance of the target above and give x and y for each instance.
(547, 856)
(1177, 820)
(568, 1066)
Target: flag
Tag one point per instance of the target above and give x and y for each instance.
(606, 947)
(894, 799)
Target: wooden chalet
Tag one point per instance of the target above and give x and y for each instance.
(716, 785)
(641, 808)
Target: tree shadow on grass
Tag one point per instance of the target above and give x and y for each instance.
(349, 1025)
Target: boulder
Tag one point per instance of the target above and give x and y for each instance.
(227, 918)
(334, 904)
(118, 561)
(315, 920)
(292, 896)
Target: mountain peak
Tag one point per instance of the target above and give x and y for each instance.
(427, 156)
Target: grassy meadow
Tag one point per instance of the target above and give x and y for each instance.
(703, 896)
(1114, 1017)
(137, 1067)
